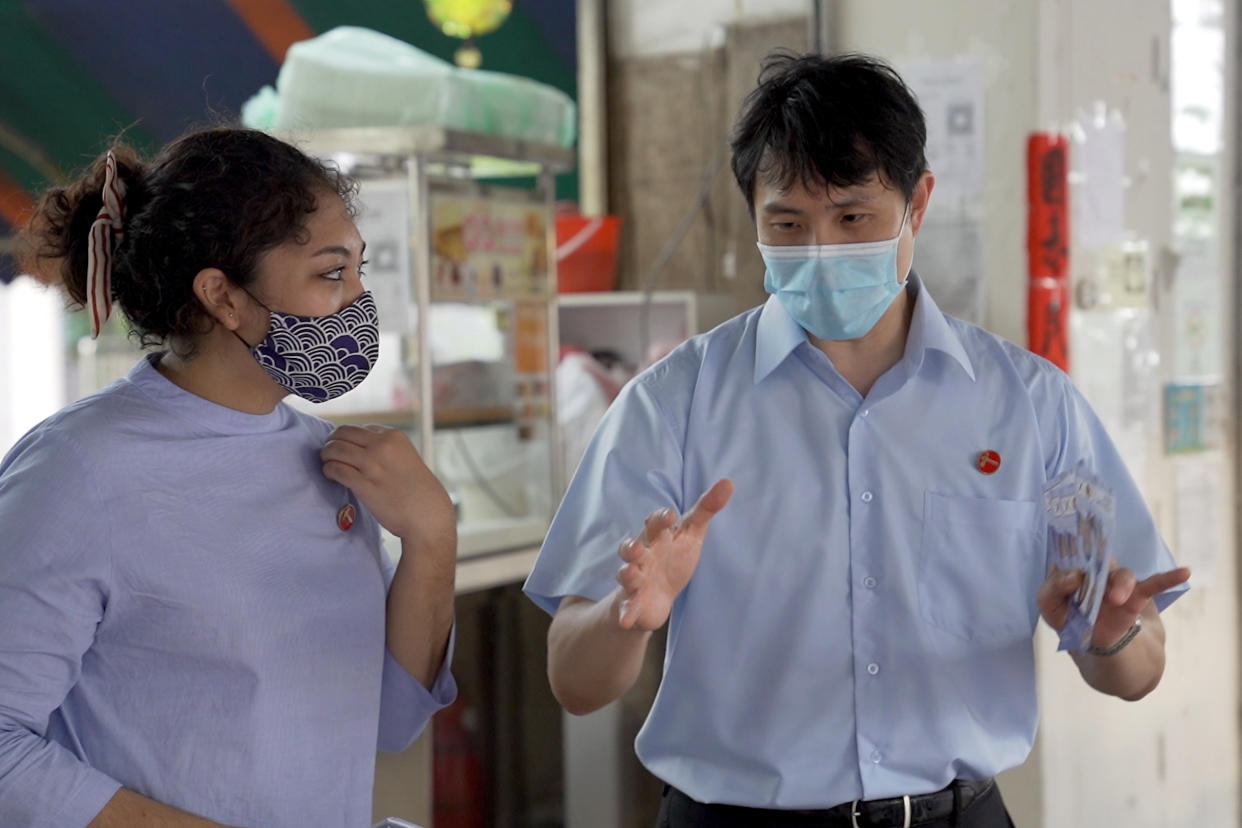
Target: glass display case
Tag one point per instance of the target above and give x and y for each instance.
(460, 242)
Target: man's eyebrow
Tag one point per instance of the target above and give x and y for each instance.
(774, 207)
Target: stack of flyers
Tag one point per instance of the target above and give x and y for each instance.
(1081, 517)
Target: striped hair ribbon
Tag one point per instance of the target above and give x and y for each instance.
(107, 229)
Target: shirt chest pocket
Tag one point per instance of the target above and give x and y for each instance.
(979, 567)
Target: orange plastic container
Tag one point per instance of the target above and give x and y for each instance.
(586, 253)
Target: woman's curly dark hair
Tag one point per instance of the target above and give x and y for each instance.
(218, 197)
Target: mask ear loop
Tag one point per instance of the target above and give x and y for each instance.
(250, 347)
(905, 218)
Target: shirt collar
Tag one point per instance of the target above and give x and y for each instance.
(776, 338)
(930, 330)
(778, 334)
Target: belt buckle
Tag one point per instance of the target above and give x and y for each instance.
(855, 813)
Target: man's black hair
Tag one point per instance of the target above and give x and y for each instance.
(834, 121)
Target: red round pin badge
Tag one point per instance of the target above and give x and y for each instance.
(346, 516)
(988, 462)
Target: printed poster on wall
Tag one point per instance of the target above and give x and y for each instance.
(488, 248)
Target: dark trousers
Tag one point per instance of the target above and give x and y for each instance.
(679, 811)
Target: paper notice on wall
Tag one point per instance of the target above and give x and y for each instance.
(1115, 276)
(384, 221)
(1114, 366)
(951, 94)
(1098, 209)
(1198, 296)
(1198, 491)
(948, 256)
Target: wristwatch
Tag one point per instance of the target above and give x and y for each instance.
(1120, 645)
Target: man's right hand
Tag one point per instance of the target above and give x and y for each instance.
(661, 560)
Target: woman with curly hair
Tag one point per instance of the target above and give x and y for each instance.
(198, 623)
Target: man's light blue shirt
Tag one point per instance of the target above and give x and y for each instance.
(861, 621)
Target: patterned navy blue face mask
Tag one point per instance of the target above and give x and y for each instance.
(321, 357)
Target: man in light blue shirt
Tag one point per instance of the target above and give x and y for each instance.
(858, 570)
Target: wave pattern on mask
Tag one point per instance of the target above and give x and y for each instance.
(322, 357)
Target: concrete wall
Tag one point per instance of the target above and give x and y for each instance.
(672, 100)
(657, 28)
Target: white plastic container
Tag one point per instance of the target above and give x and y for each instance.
(355, 77)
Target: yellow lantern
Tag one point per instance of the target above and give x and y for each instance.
(466, 20)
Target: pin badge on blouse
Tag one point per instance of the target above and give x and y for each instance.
(989, 462)
(346, 516)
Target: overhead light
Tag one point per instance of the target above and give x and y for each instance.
(467, 19)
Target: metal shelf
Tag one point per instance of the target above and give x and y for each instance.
(398, 143)
(444, 417)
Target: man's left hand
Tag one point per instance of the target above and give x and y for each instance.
(1124, 599)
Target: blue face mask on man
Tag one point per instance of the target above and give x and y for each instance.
(835, 291)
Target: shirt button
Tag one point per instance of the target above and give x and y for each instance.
(869, 582)
(876, 756)
(866, 411)
(873, 669)
(866, 497)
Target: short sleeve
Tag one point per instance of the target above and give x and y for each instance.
(1077, 435)
(632, 467)
(405, 704)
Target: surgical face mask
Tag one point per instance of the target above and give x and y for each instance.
(321, 357)
(835, 291)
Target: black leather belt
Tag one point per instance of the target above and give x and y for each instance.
(877, 813)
